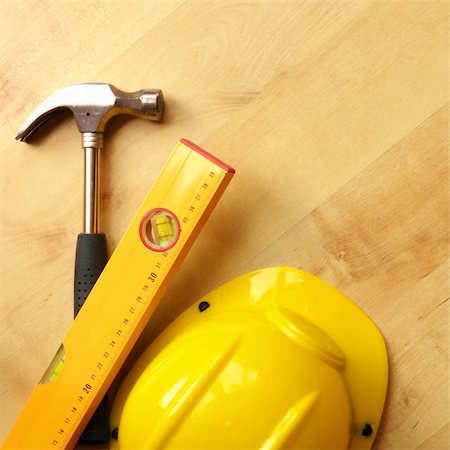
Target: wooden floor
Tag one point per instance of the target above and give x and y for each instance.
(334, 114)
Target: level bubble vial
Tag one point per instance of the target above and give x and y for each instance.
(55, 367)
(159, 229)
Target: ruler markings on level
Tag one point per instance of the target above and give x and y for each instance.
(88, 376)
(131, 311)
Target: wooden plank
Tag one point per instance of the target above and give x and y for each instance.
(417, 409)
(47, 45)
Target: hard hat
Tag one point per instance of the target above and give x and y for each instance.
(272, 359)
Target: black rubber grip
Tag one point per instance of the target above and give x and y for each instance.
(97, 430)
(90, 259)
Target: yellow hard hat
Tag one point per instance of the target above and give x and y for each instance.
(273, 359)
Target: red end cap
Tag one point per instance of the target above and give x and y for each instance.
(207, 155)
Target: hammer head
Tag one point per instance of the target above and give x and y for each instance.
(93, 105)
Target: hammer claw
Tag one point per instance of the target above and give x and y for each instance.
(34, 122)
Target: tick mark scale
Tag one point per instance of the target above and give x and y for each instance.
(122, 300)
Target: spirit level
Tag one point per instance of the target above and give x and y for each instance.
(122, 300)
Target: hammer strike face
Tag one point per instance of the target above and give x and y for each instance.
(93, 105)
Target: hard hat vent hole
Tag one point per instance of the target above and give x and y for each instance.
(115, 434)
(367, 430)
(203, 305)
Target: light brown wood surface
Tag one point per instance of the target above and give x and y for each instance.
(335, 116)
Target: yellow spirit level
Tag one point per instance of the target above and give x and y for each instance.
(122, 300)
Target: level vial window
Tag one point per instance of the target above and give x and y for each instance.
(55, 367)
(159, 229)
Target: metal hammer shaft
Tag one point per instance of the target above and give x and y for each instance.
(92, 144)
(91, 190)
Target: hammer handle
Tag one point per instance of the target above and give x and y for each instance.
(90, 259)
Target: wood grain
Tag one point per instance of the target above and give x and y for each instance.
(335, 115)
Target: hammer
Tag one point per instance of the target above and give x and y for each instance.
(93, 105)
